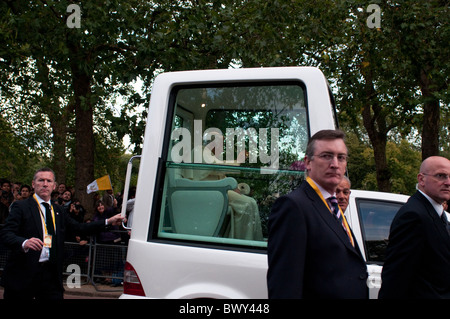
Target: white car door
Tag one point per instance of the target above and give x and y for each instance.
(370, 215)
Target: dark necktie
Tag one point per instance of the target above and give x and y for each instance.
(49, 219)
(50, 230)
(445, 221)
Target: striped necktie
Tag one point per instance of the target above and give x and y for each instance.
(335, 208)
(337, 213)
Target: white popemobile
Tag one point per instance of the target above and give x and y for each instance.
(219, 147)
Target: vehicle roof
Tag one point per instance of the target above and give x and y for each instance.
(357, 193)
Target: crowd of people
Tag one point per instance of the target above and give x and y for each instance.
(62, 195)
(105, 205)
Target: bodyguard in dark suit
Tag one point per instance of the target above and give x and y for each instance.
(34, 269)
(418, 254)
(311, 250)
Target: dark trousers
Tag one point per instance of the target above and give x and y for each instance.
(45, 286)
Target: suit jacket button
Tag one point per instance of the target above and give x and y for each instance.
(363, 276)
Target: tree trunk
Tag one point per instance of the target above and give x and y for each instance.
(59, 161)
(58, 119)
(375, 123)
(383, 173)
(378, 141)
(84, 135)
(84, 142)
(431, 117)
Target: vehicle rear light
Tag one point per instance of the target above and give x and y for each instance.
(131, 283)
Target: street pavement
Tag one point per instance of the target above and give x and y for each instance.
(89, 291)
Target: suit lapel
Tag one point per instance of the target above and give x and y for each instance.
(431, 212)
(323, 211)
(34, 211)
(58, 217)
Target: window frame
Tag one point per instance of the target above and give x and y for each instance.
(163, 163)
(358, 202)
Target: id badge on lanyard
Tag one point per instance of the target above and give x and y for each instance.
(48, 241)
(47, 237)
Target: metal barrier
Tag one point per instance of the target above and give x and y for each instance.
(80, 255)
(98, 263)
(108, 264)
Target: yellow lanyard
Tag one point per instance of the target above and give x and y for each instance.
(43, 217)
(347, 228)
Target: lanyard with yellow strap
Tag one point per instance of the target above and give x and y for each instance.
(345, 224)
(43, 217)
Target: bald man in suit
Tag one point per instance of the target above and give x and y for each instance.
(417, 262)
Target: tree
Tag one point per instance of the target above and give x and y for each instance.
(16, 160)
(402, 160)
(422, 31)
(68, 71)
(27, 69)
(380, 76)
(389, 80)
(385, 77)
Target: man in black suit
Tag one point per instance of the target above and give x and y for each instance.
(311, 253)
(418, 254)
(35, 232)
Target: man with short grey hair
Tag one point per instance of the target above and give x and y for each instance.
(34, 231)
(343, 193)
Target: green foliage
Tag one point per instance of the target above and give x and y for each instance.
(17, 162)
(44, 63)
(403, 162)
(383, 78)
